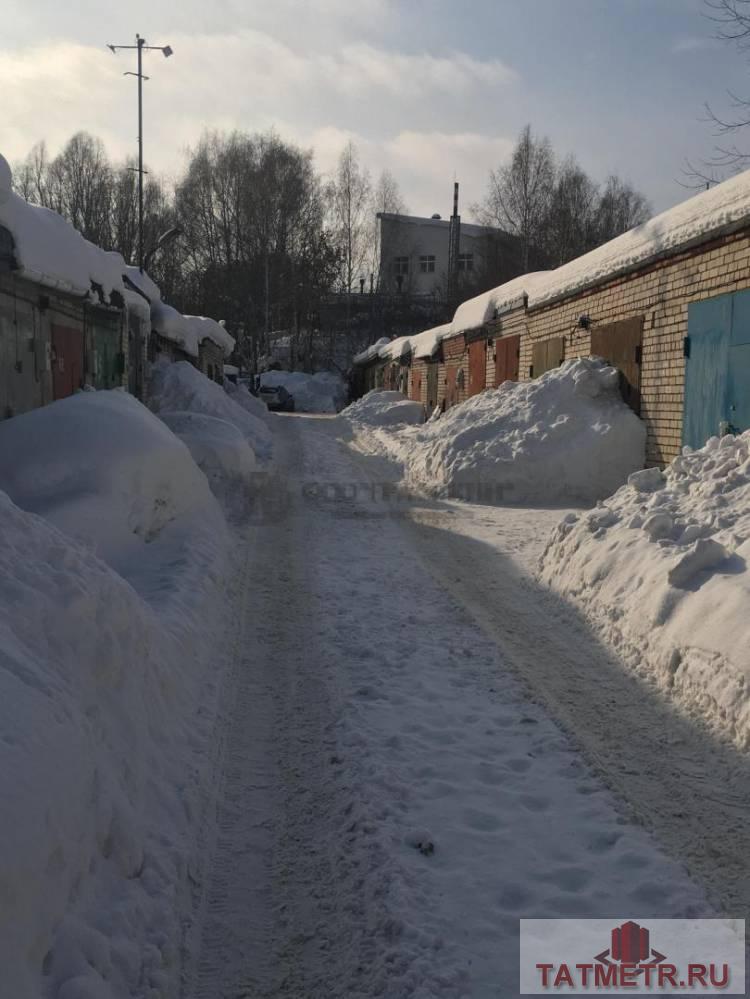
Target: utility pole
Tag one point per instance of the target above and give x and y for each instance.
(140, 46)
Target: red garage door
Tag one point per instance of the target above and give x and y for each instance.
(507, 352)
(67, 360)
(477, 366)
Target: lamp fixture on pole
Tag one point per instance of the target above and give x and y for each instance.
(141, 46)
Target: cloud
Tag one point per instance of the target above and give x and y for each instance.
(689, 43)
(424, 163)
(388, 99)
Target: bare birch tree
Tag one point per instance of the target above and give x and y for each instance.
(350, 201)
(520, 192)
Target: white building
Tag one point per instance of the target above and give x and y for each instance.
(414, 254)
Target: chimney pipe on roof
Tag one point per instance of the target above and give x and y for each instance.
(454, 242)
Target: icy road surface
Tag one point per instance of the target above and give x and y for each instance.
(391, 794)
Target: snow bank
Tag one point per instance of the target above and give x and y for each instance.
(103, 469)
(238, 393)
(111, 614)
(661, 568)
(565, 437)
(384, 409)
(696, 220)
(221, 452)
(50, 251)
(323, 392)
(480, 310)
(181, 388)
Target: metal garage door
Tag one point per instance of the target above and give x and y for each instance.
(546, 355)
(477, 366)
(416, 384)
(507, 353)
(717, 368)
(67, 360)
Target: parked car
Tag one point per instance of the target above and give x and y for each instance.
(276, 397)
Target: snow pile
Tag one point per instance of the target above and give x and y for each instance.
(724, 207)
(480, 310)
(182, 388)
(323, 392)
(239, 393)
(50, 251)
(221, 452)
(103, 469)
(188, 331)
(661, 567)
(565, 437)
(384, 409)
(107, 684)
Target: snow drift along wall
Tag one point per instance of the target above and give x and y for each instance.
(565, 437)
(112, 556)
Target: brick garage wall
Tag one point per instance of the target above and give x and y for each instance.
(661, 294)
(211, 360)
(455, 356)
(418, 370)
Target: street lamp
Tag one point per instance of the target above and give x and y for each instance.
(164, 240)
(140, 46)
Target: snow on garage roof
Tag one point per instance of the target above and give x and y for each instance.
(420, 344)
(395, 349)
(145, 284)
(425, 344)
(50, 251)
(475, 312)
(710, 213)
(188, 331)
(370, 352)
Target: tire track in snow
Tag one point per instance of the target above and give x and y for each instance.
(266, 924)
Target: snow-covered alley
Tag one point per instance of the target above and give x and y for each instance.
(418, 746)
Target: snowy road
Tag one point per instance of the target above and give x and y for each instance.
(392, 795)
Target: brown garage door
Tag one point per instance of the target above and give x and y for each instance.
(546, 355)
(477, 366)
(620, 345)
(507, 352)
(67, 360)
(416, 385)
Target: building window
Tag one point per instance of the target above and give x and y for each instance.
(466, 261)
(401, 265)
(427, 265)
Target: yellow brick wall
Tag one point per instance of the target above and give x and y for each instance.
(661, 294)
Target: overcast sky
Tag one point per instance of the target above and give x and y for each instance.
(428, 88)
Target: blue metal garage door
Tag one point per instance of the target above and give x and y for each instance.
(717, 368)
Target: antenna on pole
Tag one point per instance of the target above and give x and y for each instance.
(141, 46)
